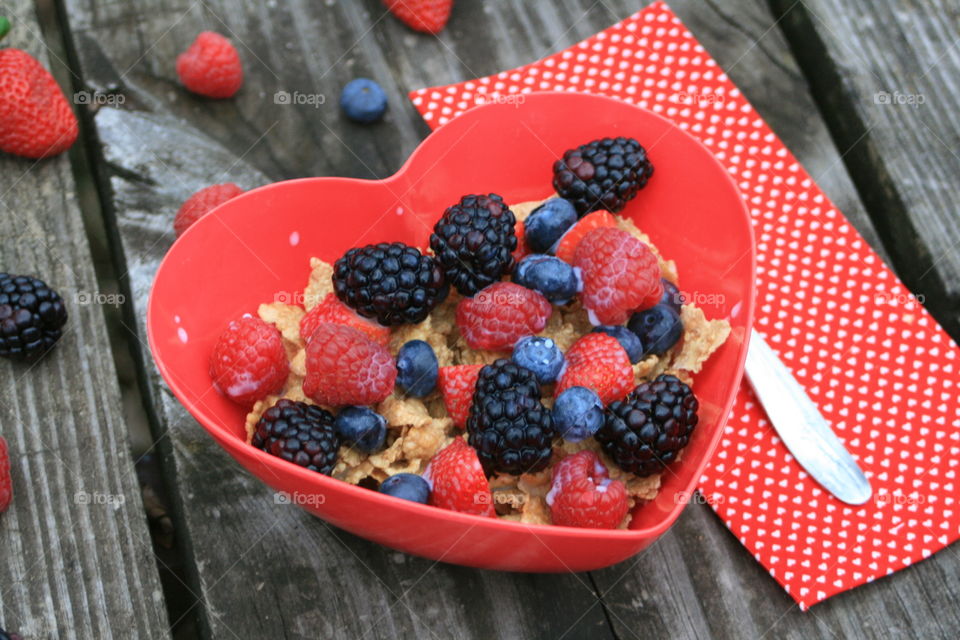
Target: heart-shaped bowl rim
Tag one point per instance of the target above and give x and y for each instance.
(490, 118)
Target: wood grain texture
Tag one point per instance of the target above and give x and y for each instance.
(76, 557)
(885, 77)
(698, 581)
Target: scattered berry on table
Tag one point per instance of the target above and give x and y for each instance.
(32, 316)
(457, 384)
(508, 425)
(457, 481)
(6, 480)
(598, 362)
(300, 433)
(7, 635)
(474, 242)
(37, 119)
(392, 283)
(363, 101)
(332, 310)
(646, 431)
(407, 486)
(201, 203)
(555, 279)
(545, 224)
(658, 328)
(568, 243)
(583, 495)
(603, 174)
(211, 66)
(345, 367)
(362, 426)
(620, 274)
(577, 414)
(672, 296)
(627, 339)
(417, 368)
(428, 16)
(540, 355)
(500, 315)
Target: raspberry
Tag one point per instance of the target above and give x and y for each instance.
(333, 311)
(201, 203)
(6, 481)
(604, 173)
(620, 275)
(567, 245)
(32, 316)
(345, 367)
(211, 66)
(500, 315)
(598, 362)
(391, 282)
(457, 481)
(645, 432)
(474, 242)
(299, 433)
(457, 384)
(249, 362)
(37, 119)
(583, 495)
(428, 16)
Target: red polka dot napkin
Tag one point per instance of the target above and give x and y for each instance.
(878, 366)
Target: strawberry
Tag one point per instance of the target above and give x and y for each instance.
(6, 481)
(201, 203)
(583, 495)
(457, 482)
(567, 244)
(428, 16)
(332, 310)
(501, 314)
(211, 66)
(522, 249)
(249, 362)
(598, 362)
(620, 275)
(457, 384)
(36, 120)
(345, 367)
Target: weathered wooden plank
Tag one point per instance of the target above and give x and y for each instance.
(76, 557)
(699, 570)
(263, 569)
(885, 78)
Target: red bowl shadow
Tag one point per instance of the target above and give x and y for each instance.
(256, 247)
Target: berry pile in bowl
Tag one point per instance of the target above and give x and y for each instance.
(495, 357)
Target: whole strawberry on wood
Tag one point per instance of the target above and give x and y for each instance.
(36, 120)
(429, 16)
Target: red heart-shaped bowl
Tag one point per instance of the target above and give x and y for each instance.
(258, 244)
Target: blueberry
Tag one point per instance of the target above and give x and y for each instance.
(671, 295)
(363, 427)
(362, 100)
(545, 224)
(417, 368)
(554, 278)
(628, 340)
(658, 328)
(542, 356)
(408, 486)
(577, 414)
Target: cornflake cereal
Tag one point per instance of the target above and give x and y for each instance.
(420, 427)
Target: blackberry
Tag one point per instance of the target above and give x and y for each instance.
(474, 242)
(646, 431)
(392, 283)
(603, 174)
(300, 433)
(32, 316)
(508, 425)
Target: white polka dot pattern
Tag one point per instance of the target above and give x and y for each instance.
(877, 365)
